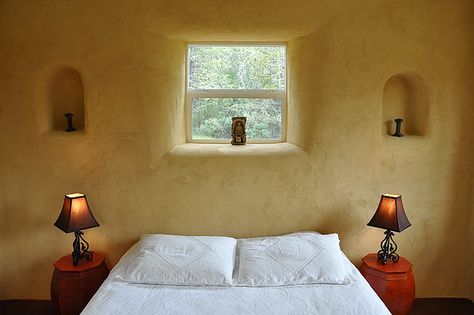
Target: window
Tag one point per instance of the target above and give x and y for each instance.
(227, 80)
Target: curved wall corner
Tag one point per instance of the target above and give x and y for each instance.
(405, 96)
(61, 91)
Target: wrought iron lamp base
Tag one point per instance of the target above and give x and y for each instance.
(389, 247)
(80, 248)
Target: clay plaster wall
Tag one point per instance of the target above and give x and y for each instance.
(139, 177)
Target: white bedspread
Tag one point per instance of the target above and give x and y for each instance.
(118, 297)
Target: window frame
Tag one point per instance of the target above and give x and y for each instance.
(191, 94)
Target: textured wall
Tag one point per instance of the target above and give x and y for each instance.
(130, 55)
(338, 79)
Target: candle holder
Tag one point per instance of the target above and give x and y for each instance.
(70, 127)
(398, 132)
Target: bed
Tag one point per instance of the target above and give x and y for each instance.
(246, 276)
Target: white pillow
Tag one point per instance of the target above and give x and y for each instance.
(299, 258)
(182, 260)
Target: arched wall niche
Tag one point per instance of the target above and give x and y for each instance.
(61, 91)
(405, 96)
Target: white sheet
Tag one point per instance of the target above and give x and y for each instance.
(118, 297)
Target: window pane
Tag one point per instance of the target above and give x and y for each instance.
(212, 117)
(236, 67)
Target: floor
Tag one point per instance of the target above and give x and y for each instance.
(443, 306)
(27, 307)
(432, 306)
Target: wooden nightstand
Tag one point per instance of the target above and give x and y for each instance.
(393, 282)
(73, 286)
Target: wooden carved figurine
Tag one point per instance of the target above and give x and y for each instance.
(238, 130)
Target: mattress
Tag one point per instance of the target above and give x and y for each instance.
(118, 297)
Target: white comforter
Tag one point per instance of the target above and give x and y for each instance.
(118, 297)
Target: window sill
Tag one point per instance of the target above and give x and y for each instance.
(207, 150)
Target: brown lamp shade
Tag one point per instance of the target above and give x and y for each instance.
(76, 214)
(390, 214)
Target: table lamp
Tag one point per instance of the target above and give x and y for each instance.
(390, 216)
(74, 217)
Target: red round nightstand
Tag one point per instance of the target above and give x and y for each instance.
(73, 286)
(393, 282)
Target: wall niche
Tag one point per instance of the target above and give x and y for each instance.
(61, 91)
(405, 96)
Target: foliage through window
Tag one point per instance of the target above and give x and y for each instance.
(236, 80)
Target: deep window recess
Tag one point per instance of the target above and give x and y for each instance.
(227, 80)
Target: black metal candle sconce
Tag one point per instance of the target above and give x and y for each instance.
(70, 127)
(398, 132)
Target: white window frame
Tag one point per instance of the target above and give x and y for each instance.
(234, 93)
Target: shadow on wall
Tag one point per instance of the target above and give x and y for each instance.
(307, 68)
(462, 179)
(331, 222)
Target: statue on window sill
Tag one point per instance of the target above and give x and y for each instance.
(238, 130)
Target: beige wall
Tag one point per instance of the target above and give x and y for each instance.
(130, 56)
